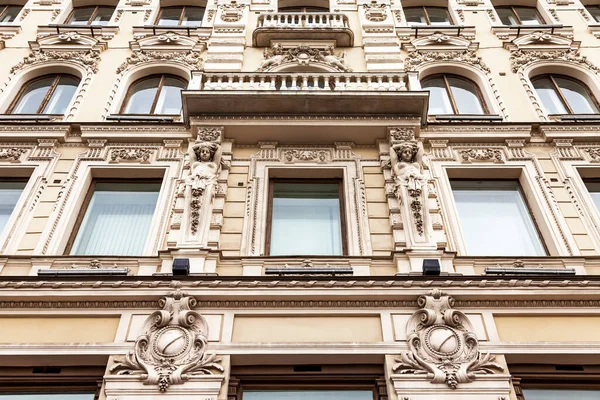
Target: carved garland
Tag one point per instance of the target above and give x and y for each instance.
(375, 12)
(442, 345)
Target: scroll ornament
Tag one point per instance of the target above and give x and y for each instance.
(442, 345)
(172, 346)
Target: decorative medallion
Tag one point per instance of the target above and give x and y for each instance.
(375, 12)
(442, 344)
(172, 346)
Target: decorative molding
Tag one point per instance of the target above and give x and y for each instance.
(12, 154)
(520, 59)
(232, 11)
(209, 133)
(88, 59)
(305, 155)
(442, 345)
(417, 58)
(375, 12)
(131, 154)
(190, 59)
(276, 56)
(481, 154)
(172, 347)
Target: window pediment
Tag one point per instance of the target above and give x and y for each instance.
(540, 40)
(440, 41)
(168, 41)
(68, 41)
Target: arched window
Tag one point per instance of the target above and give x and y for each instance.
(451, 94)
(157, 94)
(90, 15)
(8, 13)
(427, 15)
(183, 16)
(519, 15)
(50, 94)
(563, 95)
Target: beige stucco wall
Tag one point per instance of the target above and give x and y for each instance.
(57, 329)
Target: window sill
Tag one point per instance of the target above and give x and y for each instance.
(105, 32)
(594, 29)
(574, 117)
(30, 117)
(7, 31)
(140, 32)
(142, 118)
(411, 32)
(509, 32)
(467, 118)
(83, 272)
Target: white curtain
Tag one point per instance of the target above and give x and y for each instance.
(116, 223)
(310, 394)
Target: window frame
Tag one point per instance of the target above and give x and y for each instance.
(5, 8)
(129, 92)
(426, 14)
(181, 15)
(69, 18)
(86, 203)
(341, 199)
(478, 93)
(48, 95)
(597, 7)
(560, 94)
(516, 14)
(527, 206)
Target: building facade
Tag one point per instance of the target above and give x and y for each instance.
(345, 199)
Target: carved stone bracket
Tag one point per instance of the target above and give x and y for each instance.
(442, 345)
(172, 347)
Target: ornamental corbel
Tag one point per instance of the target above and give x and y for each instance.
(172, 347)
(442, 345)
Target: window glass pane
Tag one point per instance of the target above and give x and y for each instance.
(465, 96)
(507, 16)
(10, 13)
(529, 15)
(554, 394)
(415, 16)
(309, 394)
(499, 204)
(33, 96)
(193, 16)
(170, 16)
(117, 219)
(595, 11)
(142, 96)
(9, 195)
(62, 95)
(103, 15)
(577, 96)
(439, 102)
(438, 16)
(48, 396)
(306, 219)
(593, 188)
(81, 15)
(169, 100)
(550, 99)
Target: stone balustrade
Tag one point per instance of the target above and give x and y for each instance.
(303, 20)
(308, 81)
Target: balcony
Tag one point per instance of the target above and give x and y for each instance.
(306, 103)
(308, 26)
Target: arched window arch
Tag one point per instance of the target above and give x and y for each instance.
(48, 94)
(561, 94)
(90, 15)
(154, 95)
(452, 94)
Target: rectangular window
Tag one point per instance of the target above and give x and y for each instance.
(309, 394)
(10, 191)
(495, 219)
(116, 218)
(306, 218)
(593, 187)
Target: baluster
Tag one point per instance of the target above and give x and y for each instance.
(327, 83)
(208, 83)
(305, 83)
(262, 83)
(251, 83)
(316, 83)
(284, 85)
(294, 82)
(273, 83)
(348, 86)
